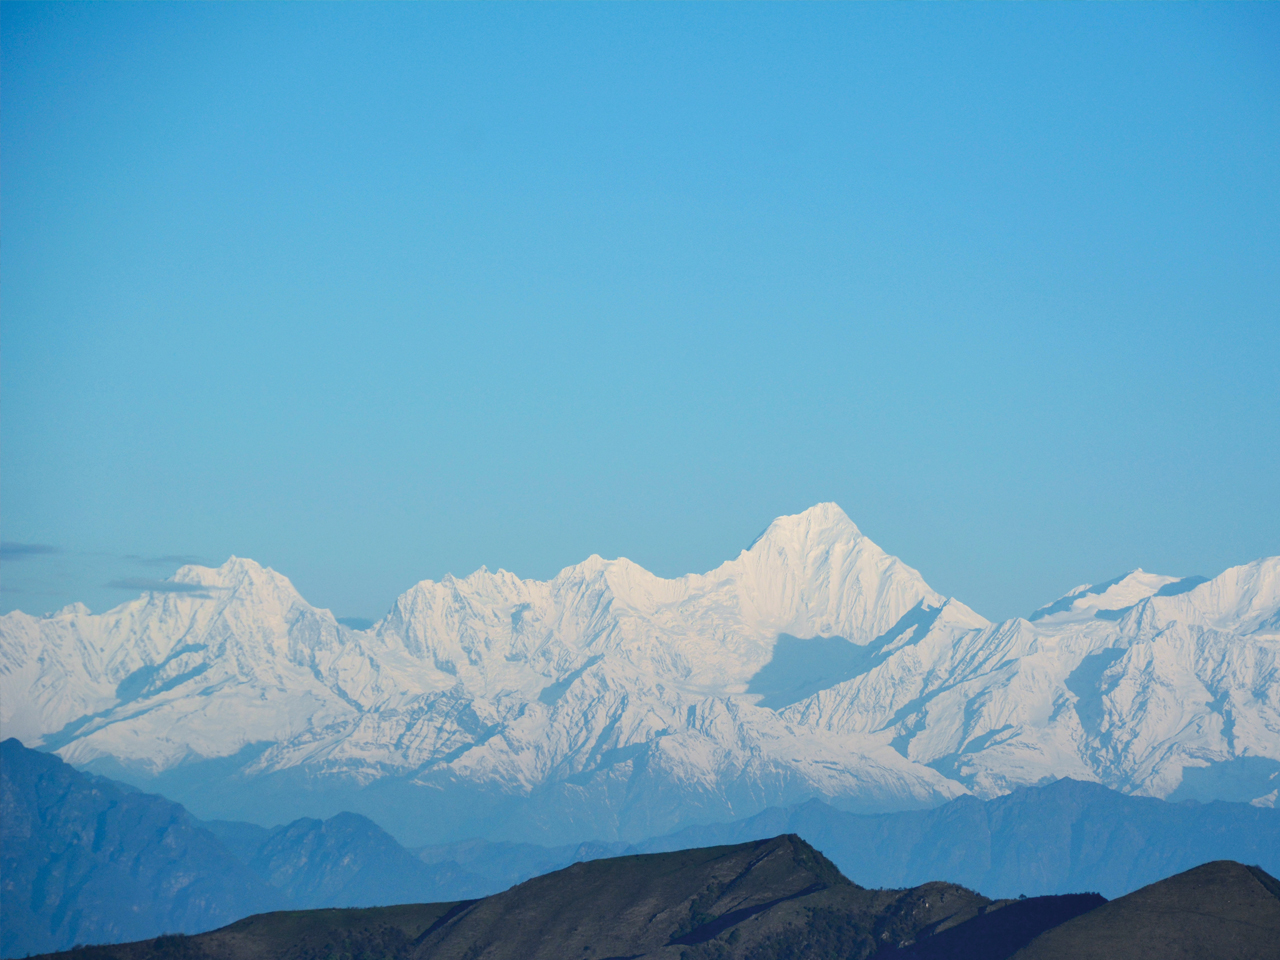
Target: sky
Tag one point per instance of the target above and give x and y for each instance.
(375, 293)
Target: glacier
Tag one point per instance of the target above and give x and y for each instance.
(612, 704)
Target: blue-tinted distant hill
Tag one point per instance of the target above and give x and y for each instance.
(1064, 837)
(84, 859)
(87, 860)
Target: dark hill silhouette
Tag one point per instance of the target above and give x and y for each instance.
(773, 899)
(999, 930)
(1217, 911)
(766, 900)
(762, 898)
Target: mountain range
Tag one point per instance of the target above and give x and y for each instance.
(765, 900)
(609, 704)
(85, 859)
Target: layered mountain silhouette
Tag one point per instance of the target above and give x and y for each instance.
(612, 705)
(83, 859)
(611, 731)
(767, 900)
(86, 860)
(349, 861)
(771, 898)
(1057, 838)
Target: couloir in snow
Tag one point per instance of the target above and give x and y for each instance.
(611, 703)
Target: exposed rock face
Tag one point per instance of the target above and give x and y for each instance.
(610, 704)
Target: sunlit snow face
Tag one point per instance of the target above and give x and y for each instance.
(812, 664)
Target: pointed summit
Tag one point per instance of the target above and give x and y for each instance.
(816, 574)
(823, 522)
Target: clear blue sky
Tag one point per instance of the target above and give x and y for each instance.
(377, 293)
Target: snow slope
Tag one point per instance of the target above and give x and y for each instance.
(609, 702)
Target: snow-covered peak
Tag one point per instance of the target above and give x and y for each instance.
(823, 523)
(238, 574)
(816, 574)
(813, 663)
(812, 574)
(1103, 600)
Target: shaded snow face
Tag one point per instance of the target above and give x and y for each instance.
(799, 668)
(813, 664)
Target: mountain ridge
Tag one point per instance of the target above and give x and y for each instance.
(764, 900)
(611, 704)
(1043, 841)
(769, 898)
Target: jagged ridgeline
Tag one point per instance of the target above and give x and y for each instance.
(609, 704)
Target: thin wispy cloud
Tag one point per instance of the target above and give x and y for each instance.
(161, 586)
(25, 551)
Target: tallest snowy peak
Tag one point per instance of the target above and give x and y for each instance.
(821, 523)
(238, 577)
(816, 574)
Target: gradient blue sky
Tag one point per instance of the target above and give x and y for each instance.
(376, 293)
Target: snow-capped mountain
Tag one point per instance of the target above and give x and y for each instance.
(609, 702)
